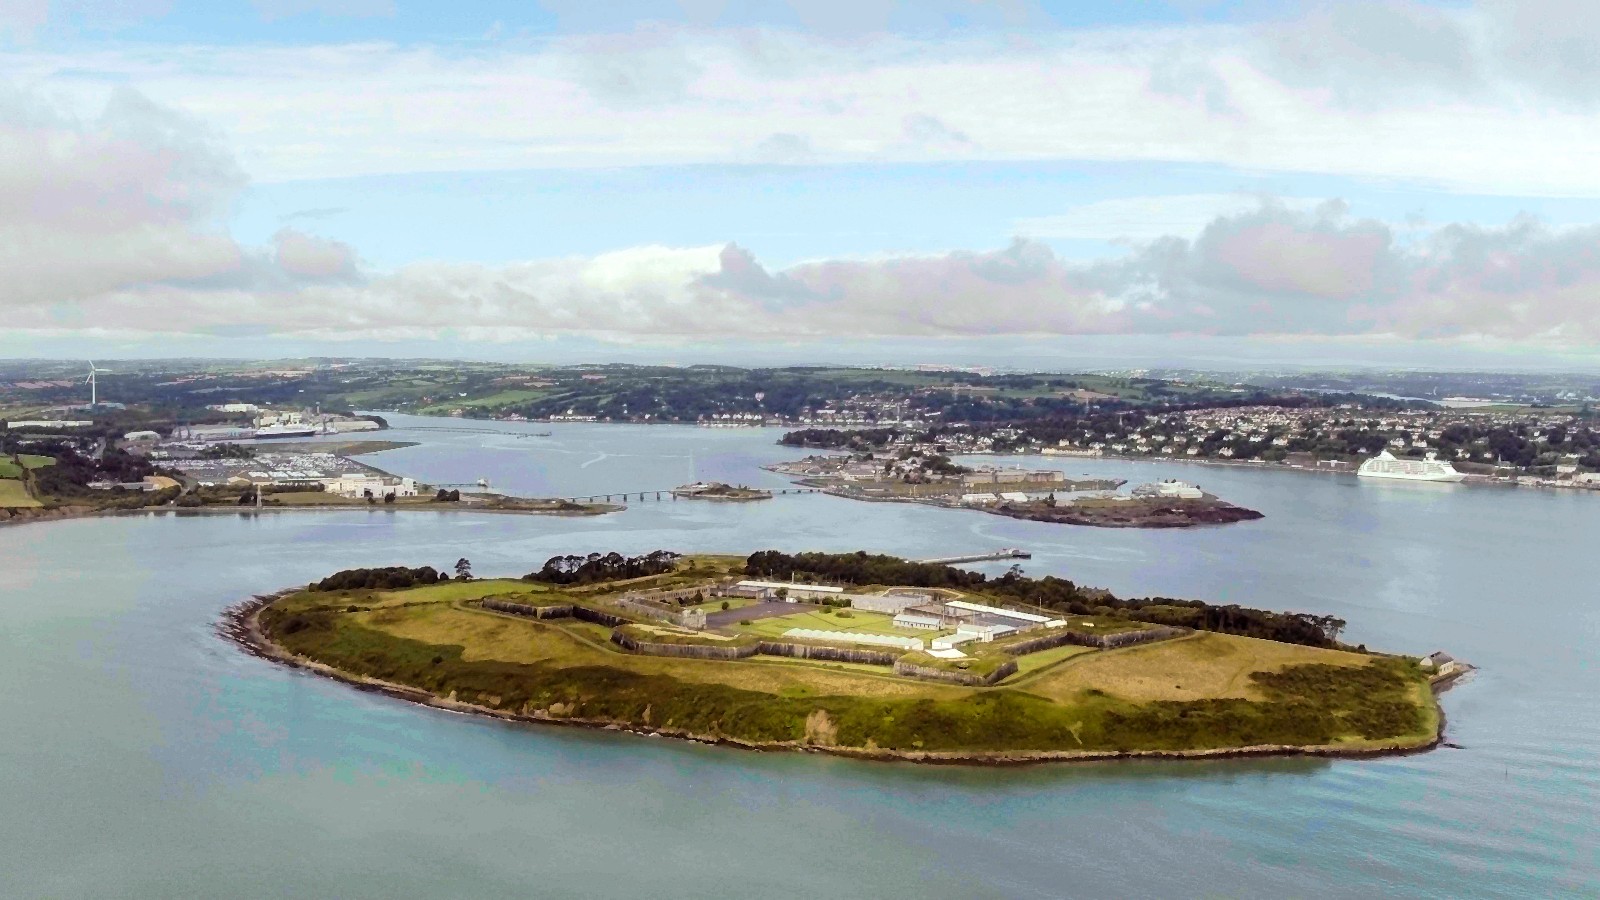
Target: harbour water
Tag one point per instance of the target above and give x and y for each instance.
(143, 756)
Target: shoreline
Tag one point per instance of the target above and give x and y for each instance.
(41, 515)
(240, 625)
(1237, 513)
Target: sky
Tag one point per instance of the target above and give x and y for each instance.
(999, 182)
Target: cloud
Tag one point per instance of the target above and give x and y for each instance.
(111, 224)
(19, 19)
(784, 148)
(1272, 272)
(921, 128)
(306, 256)
(126, 197)
(273, 10)
(22, 20)
(1143, 219)
(1457, 99)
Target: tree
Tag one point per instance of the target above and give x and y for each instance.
(724, 604)
(463, 569)
(388, 499)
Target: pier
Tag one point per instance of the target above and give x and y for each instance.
(1003, 553)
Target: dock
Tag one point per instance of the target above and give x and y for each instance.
(1002, 553)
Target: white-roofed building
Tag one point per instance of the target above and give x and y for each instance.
(909, 619)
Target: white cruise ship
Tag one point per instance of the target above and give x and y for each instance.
(287, 430)
(1387, 465)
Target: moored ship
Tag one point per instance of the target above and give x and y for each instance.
(1387, 465)
(287, 430)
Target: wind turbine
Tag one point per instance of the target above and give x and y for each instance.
(94, 387)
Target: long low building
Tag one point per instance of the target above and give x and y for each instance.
(792, 591)
(924, 621)
(1030, 620)
(893, 604)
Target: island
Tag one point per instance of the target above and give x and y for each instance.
(854, 654)
(916, 475)
(716, 490)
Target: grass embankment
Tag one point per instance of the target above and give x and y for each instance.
(1209, 692)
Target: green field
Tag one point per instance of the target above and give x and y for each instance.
(500, 398)
(1204, 691)
(14, 494)
(858, 621)
(9, 468)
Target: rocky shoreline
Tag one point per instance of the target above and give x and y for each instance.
(240, 624)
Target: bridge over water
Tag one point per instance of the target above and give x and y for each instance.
(638, 496)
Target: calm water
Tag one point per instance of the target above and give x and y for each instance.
(142, 756)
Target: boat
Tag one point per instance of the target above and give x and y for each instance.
(1387, 465)
(279, 431)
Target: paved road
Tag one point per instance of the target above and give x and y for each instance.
(766, 610)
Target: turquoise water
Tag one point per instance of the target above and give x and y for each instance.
(142, 756)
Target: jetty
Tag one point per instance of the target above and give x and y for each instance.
(1002, 553)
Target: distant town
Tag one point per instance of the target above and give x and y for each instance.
(150, 433)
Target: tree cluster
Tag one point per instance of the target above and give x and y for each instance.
(596, 568)
(387, 578)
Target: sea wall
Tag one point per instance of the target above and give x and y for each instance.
(1098, 641)
(927, 673)
(831, 654)
(745, 651)
(585, 614)
(683, 651)
(581, 613)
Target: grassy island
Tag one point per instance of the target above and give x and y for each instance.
(930, 663)
(717, 490)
